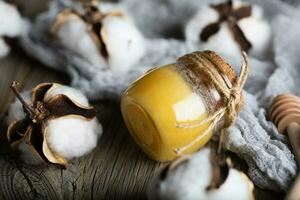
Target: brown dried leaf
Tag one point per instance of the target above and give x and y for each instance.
(29, 144)
(38, 93)
(93, 18)
(63, 17)
(240, 37)
(220, 171)
(61, 105)
(36, 140)
(242, 12)
(209, 30)
(27, 134)
(17, 129)
(230, 15)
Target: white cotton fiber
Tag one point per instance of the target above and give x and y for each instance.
(67, 136)
(72, 136)
(190, 178)
(258, 32)
(75, 95)
(237, 186)
(10, 20)
(205, 15)
(4, 48)
(223, 43)
(124, 43)
(11, 25)
(186, 181)
(73, 35)
(255, 28)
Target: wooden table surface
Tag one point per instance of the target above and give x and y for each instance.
(116, 169)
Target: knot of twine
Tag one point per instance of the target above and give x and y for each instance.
(231, 94)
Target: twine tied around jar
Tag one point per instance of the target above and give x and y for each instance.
(231, 93)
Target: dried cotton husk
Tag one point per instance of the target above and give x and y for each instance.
(190, 178)
(106, 40)
(57, 125)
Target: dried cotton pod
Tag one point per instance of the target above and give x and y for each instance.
(230, 27)
(193, 177)
(56, 126)
(11, 25)
(103, 39)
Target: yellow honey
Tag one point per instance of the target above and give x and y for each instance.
(156, 104)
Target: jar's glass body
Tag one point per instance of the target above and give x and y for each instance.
(162, 106)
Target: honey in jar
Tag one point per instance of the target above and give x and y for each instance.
(163, 108)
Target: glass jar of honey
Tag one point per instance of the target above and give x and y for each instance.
(163, 108)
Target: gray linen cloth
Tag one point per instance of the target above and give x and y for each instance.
(253, 138)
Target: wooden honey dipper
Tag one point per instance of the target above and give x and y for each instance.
(285, 113)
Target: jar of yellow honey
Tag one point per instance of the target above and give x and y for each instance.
(177, 107)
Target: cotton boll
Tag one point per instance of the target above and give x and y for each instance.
(189, 179)
(259, 36)
(204, 16)
(4, 48)
(15, 111)
(74, 94)
(222, 43)
(255, 28)
(58, 117)
(106, 40)
(123, 41)
(11, 25)
(73, 34)
(186, 182)
(237, 186)
(10, 20)
(72, 136)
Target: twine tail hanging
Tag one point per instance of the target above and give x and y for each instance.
(230, 93)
